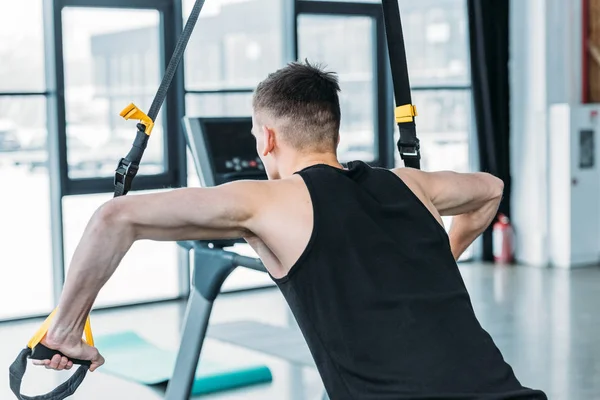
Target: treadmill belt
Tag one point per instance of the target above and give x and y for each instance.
(285, 343)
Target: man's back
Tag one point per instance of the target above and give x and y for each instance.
(379, 298)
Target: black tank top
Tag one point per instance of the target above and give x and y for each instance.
(380, 300)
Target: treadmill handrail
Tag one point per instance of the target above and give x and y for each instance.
(249, 262)
(237, 259)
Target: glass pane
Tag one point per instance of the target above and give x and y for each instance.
(319, 39)
(436, 37)
(444, 128)
(148, 272)
(354, 1)
(112, 58)
(21, 46)
(230, 50)
(219, 105)
(26, 248)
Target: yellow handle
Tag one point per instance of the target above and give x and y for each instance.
(133, 112)
(406, 113)
(41, 332)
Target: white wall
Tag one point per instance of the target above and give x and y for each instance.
(545, 70)
(574, 197)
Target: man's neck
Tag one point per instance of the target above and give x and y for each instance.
(306, 161)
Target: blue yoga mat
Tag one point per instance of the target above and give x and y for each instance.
(132, 357)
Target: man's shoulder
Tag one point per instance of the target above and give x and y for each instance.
(269, 189)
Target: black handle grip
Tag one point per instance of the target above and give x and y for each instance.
(41, 352)
(64, 390)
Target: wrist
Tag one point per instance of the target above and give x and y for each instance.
(60, 335)
(68, 323)
(462, 233)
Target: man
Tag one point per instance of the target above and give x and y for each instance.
(359, 253)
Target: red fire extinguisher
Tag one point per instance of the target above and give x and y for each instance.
(502, 239)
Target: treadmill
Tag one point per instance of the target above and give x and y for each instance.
(223, 150)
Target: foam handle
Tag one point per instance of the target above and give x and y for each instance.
(41, 352)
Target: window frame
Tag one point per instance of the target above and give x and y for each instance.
(172, 109)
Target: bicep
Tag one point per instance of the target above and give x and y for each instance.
(454, 193)
(219, 212)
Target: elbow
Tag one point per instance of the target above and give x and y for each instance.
(111, 218)
(498, 188)
(495, 186)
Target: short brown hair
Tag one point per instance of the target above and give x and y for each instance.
(307, 97)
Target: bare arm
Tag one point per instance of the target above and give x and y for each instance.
(184, 214)
(472, 198)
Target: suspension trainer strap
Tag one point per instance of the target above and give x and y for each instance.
(128, 166)
(408, 144)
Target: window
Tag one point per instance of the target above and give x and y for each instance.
(229, 49)
(444, 129)
(21, 46)
(26, 256)
(319, 39)
(111, 59)
(219, 104)
(436, 40)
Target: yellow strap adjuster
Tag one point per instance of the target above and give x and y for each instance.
(39, 335)
(405, 113)
(132, 112)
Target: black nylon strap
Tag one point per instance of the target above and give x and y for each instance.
(129, 165)
(66, 389)
(408, 145)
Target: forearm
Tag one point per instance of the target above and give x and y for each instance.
(467, 227)
(104, 243)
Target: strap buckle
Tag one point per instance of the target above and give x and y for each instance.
(405, 113)
(124, 174)
(133, 112)
(410, 153)
(409, 149)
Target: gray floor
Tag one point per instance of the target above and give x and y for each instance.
(545, 322)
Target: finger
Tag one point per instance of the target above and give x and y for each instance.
(55, 361)
(69, 365)
(98, 362)
(63, 363)
(39, 362)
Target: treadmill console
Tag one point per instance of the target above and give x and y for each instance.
(223, 149)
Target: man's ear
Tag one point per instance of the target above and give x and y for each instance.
(269, 140)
